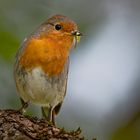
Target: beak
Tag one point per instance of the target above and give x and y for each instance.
(77, 35)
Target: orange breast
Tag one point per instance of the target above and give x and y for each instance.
(50, 55)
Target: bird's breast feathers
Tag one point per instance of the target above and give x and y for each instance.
(50, 55)
(35, 86)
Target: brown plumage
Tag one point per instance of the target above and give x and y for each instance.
(41, 66)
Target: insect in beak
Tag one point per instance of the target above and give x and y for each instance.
(77, 36)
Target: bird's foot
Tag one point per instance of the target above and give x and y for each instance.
(22, 110)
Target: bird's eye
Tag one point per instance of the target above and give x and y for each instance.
(58, 27)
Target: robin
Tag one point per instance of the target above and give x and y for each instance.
(42, 63)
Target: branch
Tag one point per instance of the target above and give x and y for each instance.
(15, 126)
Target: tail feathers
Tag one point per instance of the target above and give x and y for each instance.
(46, 112)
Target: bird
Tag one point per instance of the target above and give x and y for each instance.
(42, 64)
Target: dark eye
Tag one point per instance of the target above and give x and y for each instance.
(58, 27)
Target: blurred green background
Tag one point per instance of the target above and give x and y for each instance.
(103, 95)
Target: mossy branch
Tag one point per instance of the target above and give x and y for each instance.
(15, 126)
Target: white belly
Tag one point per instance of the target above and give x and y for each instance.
(36, 87)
